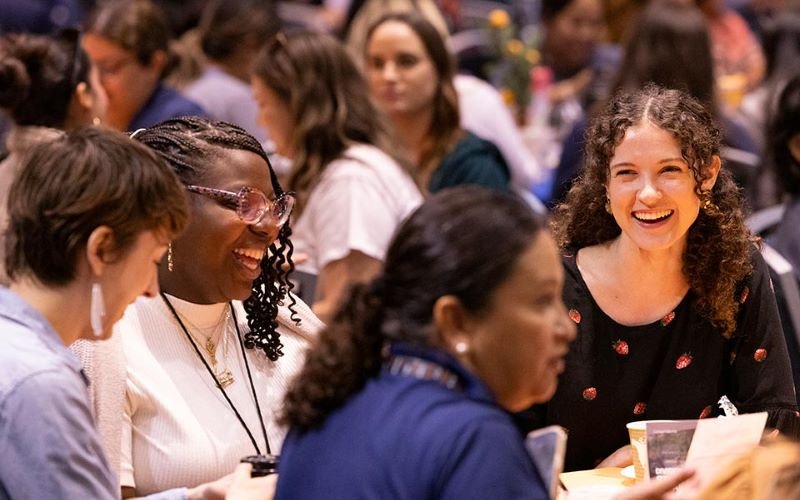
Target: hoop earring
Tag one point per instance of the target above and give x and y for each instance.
(170, 262)
(97, 310)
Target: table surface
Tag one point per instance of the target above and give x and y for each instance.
(594, 483)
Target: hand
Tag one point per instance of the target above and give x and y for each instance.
(620, 458)
(658, 489)
(244, 487)
(214, 490)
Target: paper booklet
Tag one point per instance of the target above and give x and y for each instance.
(707, 445)
(546, 447)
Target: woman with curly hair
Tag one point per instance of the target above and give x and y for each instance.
(209, 358)
(352, 193)
(672, 299)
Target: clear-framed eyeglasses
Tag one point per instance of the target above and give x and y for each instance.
(250, 204)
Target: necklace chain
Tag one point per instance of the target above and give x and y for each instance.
(224, 377)
(219, 382)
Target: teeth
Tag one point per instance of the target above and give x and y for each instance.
(653, 215)
(250, 253)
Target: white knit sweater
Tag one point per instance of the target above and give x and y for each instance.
(163, 421)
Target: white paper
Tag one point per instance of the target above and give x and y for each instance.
(717, 441)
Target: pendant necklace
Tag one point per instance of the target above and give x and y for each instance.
(219, 382)
(224, 376)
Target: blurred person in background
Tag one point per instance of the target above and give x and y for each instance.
(410, 75)
(352, 191)
(128, 42)
(47, 84)
(230, 33)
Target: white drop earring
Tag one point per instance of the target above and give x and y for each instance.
(97, 310)
(461, 347)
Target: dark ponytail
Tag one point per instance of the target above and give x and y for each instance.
(347, 354)
(462, 242)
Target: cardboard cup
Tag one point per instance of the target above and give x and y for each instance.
(637, 432)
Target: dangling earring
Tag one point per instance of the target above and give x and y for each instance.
(461, 347)
(705, 201)
(608, 204)
(97, 310)
(170, 263)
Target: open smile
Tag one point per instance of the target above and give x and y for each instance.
(250, 259)
(653, 217)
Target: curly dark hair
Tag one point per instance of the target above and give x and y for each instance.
(187, 144)
(441, 249)
(717, 255)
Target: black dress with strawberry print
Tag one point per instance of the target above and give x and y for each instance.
(675, 368)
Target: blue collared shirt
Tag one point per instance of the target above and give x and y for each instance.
(403, 437)
(49, 447)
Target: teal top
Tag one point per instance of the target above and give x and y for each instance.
(472, 161)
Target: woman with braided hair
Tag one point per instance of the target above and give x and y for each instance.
(208, 359)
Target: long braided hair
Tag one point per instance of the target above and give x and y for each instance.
(186, 143)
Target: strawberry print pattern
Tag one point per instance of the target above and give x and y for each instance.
(683, 361)
(668, 319)
(589, 393)
(706, 412)
(760, 355)
(639, 408)
(575, 316)
(743, 296)
(620, 347)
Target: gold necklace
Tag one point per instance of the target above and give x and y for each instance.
(224, 376)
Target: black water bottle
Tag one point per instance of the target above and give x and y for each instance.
(263, 465)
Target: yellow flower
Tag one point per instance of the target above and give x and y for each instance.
(508, 96)
(498, 18)
(533, 56)
(514, 47)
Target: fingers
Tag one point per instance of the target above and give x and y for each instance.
(658, 489)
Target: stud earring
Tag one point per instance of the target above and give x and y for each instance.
(170, 262)
(461, 347)
(96, 121)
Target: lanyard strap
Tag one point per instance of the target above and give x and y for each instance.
(216, 381)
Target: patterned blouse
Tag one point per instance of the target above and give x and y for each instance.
(675, 368)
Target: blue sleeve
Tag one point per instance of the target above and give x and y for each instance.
(489, 461)
(49, 447)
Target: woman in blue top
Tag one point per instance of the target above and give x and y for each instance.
(128, 42)
(406, 394)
